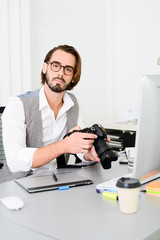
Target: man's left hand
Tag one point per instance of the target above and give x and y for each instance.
(91, 155)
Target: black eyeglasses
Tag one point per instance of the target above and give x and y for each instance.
(56, 66)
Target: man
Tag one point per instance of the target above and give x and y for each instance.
(35, 123)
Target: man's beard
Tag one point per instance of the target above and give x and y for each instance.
(57, 88)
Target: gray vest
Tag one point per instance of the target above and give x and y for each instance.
(33, 123)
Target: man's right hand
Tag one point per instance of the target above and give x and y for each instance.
(79, 142)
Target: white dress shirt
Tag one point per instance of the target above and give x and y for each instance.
(19, 157)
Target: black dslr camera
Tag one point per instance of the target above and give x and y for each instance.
(104, 151)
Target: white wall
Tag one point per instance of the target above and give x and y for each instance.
(136, 50)
(83, 25)
(118, 41)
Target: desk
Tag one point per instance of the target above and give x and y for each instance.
(10, 230)
(80, 213)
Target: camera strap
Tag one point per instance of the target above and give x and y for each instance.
(61, 161)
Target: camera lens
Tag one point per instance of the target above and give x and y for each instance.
(105, 153)
(105, 161)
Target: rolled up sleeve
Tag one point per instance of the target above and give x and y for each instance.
(19, 157)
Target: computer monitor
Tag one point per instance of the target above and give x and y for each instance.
(147, 147)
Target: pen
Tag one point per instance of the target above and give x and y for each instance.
(54, 177)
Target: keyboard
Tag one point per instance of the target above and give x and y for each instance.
(110, 185)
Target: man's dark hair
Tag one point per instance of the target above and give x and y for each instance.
(73, 51)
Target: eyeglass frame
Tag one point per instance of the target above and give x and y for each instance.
(64, 67)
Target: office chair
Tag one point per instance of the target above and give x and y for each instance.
(2, 155)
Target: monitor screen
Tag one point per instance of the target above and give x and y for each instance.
(147, 148)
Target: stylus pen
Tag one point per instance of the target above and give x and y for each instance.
(54, 177)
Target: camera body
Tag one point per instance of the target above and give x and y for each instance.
(103, 150)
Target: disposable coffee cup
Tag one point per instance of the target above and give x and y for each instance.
(128, 194)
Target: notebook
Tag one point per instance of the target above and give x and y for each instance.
(110, 185)
(65, 180)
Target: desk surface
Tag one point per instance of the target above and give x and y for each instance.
(81, 213)
(10, 230)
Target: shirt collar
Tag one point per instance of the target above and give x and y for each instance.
(68, 102)
(42, 99)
